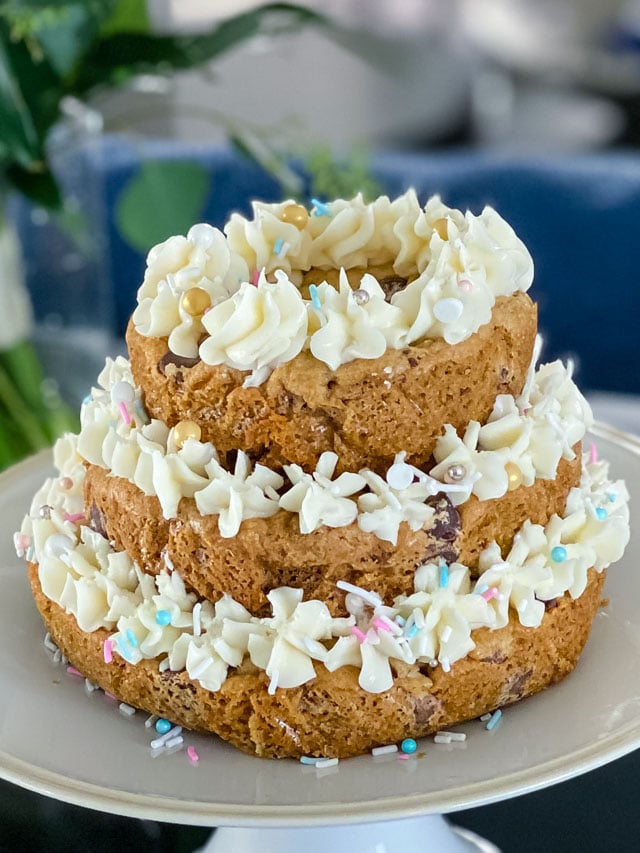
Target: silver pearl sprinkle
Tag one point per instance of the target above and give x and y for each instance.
(361, 297)
(455, 473)
(45, 511)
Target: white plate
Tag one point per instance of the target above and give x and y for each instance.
(56, 739)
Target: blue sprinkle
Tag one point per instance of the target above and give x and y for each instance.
(444, 575)
(482, 588)
(408, 746)
(601, 513)
(413, 630)
(495, 719)
(163, 726)
(277, 246)
(559, 554)
(308, 759)
(320, 208)
(163, 617)
(131, 637)
(124, 649)
(86, 400)
(313, 293)
(399, 621)
(30, 553)
(611, 497)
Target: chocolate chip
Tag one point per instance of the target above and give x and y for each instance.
(392, 284)
(413, 362)
(444, 533)
(97, 521)
(177, 360)
(495, 657)
(424, 708)
(549, 605)
(515, 686)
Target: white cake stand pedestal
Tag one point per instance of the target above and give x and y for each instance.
(426, 834)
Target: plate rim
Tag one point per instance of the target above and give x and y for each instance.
(189, 812)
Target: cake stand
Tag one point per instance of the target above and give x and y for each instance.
(60, 740)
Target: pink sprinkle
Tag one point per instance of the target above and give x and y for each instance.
(593, 454)
(403, 757)
(110, 695)
(66, 483)
(362, 637)
(255, 278)
(73, 517)
(466, 285)
(73, 671)
(108, 648)
(126, 417)
(490, 593)
(381, 625)
(192, 755)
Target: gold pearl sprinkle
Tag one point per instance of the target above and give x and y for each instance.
(442, 227)
(184, 430)
(514, 475)
(196, 301)
(295, 214)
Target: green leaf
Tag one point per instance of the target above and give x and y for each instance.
(116, 59)
(164, 198)
(128, 16)
(40, 187)
(19, 135)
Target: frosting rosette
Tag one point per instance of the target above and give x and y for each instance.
(349, 328)
(258, 328)
(200, 260)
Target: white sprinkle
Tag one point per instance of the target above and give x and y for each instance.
(174, 741)
(57, 656)
(388, 370)
(400, 475)
(384, 750)
(283, 250)
(457, 736)
(448, 310)
(125, 709)
(371, 598)
(89, 686)
(326, 762)
(164, 665)
(441, 738)
(49, 644)
(167, 560)
(197, 628)
(387, 384)
(446, 634)
(150, 721)
(163, 739)
(64, 660)
(485, 717)
(446, 664)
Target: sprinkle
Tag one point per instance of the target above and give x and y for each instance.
(490, 593)
(593, 454)
(49, 644)
(370, 597)
(87, 399)
(255, 278)
(360, 296)
(308, 759)
(482, 588)
(455, 736)
(124, 412)
(601, 513)
(442, 738)
(494, 720)
(400, 476)
(21, 543)
(611, 496)
(89, 686)
(277, 246)
(131, 638)
(444, 575)
(362, 637)
(127, 710)
(320, 208)
(66, 483)
(413, 630)
(315, 298)
(161, 741)
(108, 650)
(123, 392)
(150, 721)
(485, 717)
(384, 750)
(446, 663)
(448, 310)
(192, 755)
(284, 250)
(408, 746)
(446, 634)
(110, 695)
(466, 285)
(326, 762)
(57, 657)
(164, 665)
(163, 617)
(178, 740)
(399, 620)
(73, 517)
(197, 627)
(73, 671)
(403, 757)
(30, 553)
(559, 554)
(162, 726)
(382, 626)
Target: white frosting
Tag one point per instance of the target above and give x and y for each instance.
(384, 508)
(101, 588)
(201, 259)
(459, 263)
(259, 327)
